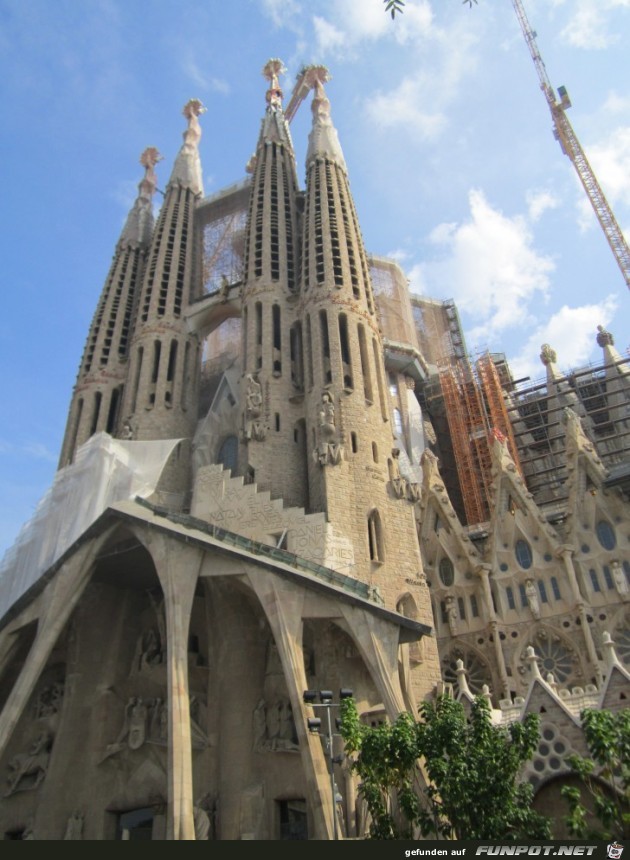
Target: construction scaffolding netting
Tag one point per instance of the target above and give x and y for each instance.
(438, 331)
(221, 222)
(105, 471)
(391, 293)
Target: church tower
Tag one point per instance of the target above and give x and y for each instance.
(353, 473)
(272, 434)
(159, 400)
(97, 397)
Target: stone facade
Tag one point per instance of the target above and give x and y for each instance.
(304, 533)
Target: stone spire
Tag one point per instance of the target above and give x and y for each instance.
(97, 397)
(139, 225)
(273, 378)
(163, 355)
(187, 167)
(323, 141)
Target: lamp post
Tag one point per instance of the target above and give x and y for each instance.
(314, 725)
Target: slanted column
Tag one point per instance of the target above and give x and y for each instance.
(178, 569)
(58, 602)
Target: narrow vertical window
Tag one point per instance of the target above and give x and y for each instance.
(172, 361)
(157, 348)
(258, 335)
(474, 608)
(297, 360)
(136, 381)
(509, 593)
(325, 343)
(309, 351)
(276, 340)
(542, 588)
(375, 537)
(244, 337)
(595, 580)
(346, 362)
(95, 414)
(112, 415)
(365, 365)
(379, 379)
(353, 442)
(555, 588)
(184, 400)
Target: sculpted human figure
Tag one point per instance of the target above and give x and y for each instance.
(532, 598)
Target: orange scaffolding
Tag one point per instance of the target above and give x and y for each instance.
(475, 408)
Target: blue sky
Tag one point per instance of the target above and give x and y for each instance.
(445, 132)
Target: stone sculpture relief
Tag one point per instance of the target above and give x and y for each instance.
(49, 701)
(274, 727)
(451, 615)
(27, 770)
(253, 427)
(146, 721)
(532, 598)
(329, 451)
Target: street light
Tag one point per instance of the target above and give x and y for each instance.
(314, 725)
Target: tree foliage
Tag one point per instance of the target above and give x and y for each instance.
(395, 7)
(605, 776)
(472, 768)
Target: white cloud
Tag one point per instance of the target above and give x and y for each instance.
(201, 79)
(348, 24)
(491, 269)
(589, 23)
(329, 38)
(538, 202)
(571, 332)
(406, 105)
(281, 12)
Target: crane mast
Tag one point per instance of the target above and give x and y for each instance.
(566, 136)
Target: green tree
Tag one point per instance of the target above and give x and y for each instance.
(395, 7)
(605, 776)
(472, 768)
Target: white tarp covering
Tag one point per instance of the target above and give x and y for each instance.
(105, 470)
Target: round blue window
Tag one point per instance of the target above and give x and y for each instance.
(606, 534)
(523, 554)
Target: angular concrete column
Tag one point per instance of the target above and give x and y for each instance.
(282, 603)
(57, 603)
(177, 567)
(378, 644)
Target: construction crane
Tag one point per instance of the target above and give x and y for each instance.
(564, 133)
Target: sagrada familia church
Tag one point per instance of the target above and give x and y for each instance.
(281, 472)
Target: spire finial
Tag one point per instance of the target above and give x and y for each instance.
(548, 355)
(139, 222)
(148, 160)
(604, 338)
(271, 70)
(187, 167)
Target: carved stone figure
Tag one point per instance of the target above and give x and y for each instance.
(452, 615)
(329, 450)
(138, 714)
(532, 598)
(202, 823)
(49, 700)
(28, 770)
(619, 577)
(127, 430)
(327, 416)
(253, 427)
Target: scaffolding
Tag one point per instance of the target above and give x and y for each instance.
(391, 294)
(220, 222)
(438, 331)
